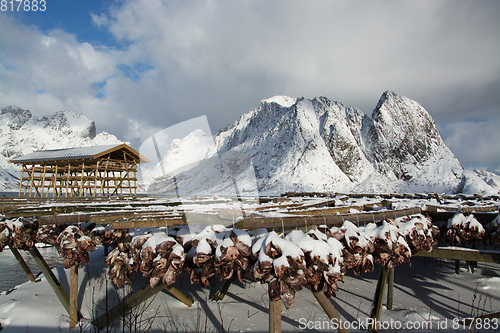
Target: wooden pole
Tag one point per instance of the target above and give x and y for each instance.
(55, 183)
(298, 221)
(67, 180)
(49, 186)
(31, 178)
(80, 188)
(51, 278)
(134, 300)
(135, 178)
(275, 316)
(179, 295)
(95, 177)
(390, 289)
(43, 180)
(378, 299)
(73, 297)
(103, 179)
(330, 310)
(219, 296)
(461, 254)
(21, 180)
(23, 264)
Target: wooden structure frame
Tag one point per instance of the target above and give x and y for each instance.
(94, 171)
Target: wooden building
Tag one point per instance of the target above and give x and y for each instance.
(86, 171)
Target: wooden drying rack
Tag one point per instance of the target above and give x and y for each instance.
(119, 218)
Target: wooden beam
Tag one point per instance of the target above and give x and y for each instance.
(73, 297)
(43, 178)
(134, 300)
(219, 295)
(67, 180)
(153, 223)
(80, 188)
(23, 264)
(457, 253)
(31, 181)
(55, 183)
(203, 218)
(331, 220)
(275, 316)
(378, 299)
(327, 203)
(390, 289)
(51, 278)
(21, 181)
(95, 176)
(330, 310)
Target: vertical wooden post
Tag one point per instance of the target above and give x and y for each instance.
(80, 188)
(378, 299)
(390, 289)
(95, 177)
(275, 316)
(23, 264)
(67, 181)
(330, 310)
(31, 178)
(457, 267)
(43, 180)
(21, 181)
(37, 185)
(104, 179)
(55, 183)
(135, 178)
(73, 297)
(49, 186)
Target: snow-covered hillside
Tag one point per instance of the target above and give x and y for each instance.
(22, 133)
(297, 144)
(481, 181)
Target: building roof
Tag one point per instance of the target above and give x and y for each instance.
(78, 153)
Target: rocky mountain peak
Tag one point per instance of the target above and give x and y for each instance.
(22, 133)
(71, 123)
(322, 145)
(14, 116)
(401, 133)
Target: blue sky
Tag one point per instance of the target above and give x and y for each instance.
(136, 67)
(72, 16)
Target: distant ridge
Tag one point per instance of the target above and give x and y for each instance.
(298, 144)
(22, 133)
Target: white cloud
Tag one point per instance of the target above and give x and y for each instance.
(140, 129)
(473, 142)
(183, 59)
(99, 20)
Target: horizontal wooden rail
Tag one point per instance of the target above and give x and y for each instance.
(330, 220)
(151, 223)
(458, 253)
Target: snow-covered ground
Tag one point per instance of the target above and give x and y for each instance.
(426, 292)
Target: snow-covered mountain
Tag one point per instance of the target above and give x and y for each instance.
(321, 145)
(22, 133)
